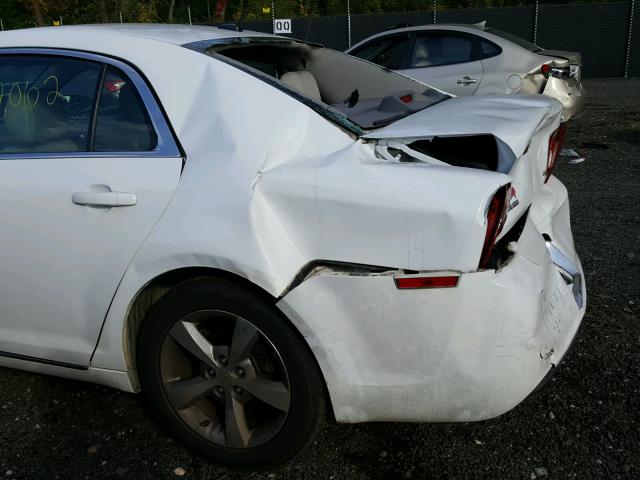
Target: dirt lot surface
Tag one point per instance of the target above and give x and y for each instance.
(584, 424)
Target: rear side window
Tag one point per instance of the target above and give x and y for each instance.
(122, 123)
(46, 103)
(389, 51)
(442, 48)
(489, 49)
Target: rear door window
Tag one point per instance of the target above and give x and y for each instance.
(46, 103)
(390, 51)
(122, 122)
(442, 48)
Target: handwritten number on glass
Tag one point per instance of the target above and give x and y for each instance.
(22, 93)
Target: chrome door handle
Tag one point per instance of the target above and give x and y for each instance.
(467, 81)
(104, 199)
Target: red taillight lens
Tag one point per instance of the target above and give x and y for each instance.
(113, 85)
(546, 69)
(408, 98)
(427, 282)
(496, 218)
(556, 140)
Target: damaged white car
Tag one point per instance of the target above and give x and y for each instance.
(477, 60)
(257, 232)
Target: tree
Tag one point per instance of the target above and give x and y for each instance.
(39, 11)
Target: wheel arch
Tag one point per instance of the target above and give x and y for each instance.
(163, 283)
(155, 289)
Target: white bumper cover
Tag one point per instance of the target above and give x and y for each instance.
(453, 354)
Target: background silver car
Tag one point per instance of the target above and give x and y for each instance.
(477, 60)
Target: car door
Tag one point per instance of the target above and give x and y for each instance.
(447, 60)
(87, 165)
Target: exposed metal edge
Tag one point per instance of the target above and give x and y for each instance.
(564, 264)
(311, 269)
(44, 361)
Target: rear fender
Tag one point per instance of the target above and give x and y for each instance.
(354, 207)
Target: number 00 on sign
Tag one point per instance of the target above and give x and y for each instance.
(282, 25)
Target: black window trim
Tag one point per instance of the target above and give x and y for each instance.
(166, 146)
(476, 51)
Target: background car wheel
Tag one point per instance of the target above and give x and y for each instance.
(228, 376)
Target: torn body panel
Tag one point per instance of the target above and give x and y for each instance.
(560, 78)
(568, 92)
(353, 203)
(312, 191)
(264, 205)
(421, 359)
(493, 137)
(514, 120)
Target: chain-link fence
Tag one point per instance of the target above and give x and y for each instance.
(602, 31)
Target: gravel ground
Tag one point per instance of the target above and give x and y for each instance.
(584, 424)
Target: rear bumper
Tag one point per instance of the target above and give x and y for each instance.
(568, 92)
(453, 354)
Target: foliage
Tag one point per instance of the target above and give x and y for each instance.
(23, 13)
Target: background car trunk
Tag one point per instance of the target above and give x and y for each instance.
(574, 58)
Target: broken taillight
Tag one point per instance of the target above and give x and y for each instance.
(496, 218)
(546, 69)
(556, 140)
(556, 72)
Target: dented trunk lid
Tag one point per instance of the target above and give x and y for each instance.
(512, 119)
(521, 125)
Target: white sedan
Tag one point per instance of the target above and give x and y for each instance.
(258, 232)
(477, 60)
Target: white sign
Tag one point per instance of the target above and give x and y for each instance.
(282, 25)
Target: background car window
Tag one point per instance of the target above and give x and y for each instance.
(46, 103)
(387, 52)
(489, 49)
(434, 49)
(123, 124)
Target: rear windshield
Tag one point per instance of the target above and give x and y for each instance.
(358, 95)
(513, 39)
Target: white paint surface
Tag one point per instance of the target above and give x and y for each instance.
(269, 186)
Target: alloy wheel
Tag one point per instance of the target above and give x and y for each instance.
(225, 379)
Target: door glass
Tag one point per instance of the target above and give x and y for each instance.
(123, 124)
(387, 52)
(434, 49)
(46, 103)
(489, 49)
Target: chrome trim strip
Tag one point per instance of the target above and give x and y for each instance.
(571, 272)
(166, 146)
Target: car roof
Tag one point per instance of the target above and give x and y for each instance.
(436, 26)
(170, 34)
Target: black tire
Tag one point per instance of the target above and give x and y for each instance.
(307, 408)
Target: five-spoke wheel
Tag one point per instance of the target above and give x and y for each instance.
(228, 375)
(225, 378)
